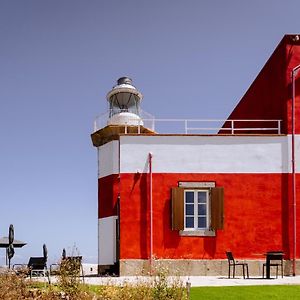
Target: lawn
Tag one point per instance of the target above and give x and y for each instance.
(286, 292)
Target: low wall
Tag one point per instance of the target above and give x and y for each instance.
(136, 267)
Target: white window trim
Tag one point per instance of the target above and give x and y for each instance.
(197, 184)
(198, 232)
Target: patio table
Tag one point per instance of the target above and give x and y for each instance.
(271, 255)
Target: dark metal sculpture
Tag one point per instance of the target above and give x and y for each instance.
(64, 254)
(45, 252)
(10, 249)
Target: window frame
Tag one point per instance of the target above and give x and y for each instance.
(196, 214)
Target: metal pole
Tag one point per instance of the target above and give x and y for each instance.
(151, 213)
(294, 172)
(279, 126)
(188, 289)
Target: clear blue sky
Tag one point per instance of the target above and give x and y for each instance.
(59, 58)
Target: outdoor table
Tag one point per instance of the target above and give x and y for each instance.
(270, 256)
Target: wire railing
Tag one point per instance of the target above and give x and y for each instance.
(198, 126)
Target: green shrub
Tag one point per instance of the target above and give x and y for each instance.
(165, 288)
(69, 275)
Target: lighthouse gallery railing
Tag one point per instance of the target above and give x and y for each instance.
(200, 126)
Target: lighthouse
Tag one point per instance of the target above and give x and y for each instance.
(181, 200)
(123, 117)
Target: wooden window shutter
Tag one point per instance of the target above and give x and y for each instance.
(217, 208)
(177, 208)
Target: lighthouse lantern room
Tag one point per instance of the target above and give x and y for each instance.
(124, 115)
(124, 104)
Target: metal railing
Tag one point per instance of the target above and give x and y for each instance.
(200, 126)
(235, 126)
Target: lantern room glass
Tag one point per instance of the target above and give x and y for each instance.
(123, 102)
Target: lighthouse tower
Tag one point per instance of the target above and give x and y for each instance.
(123, 118)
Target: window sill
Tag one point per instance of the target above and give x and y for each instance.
(200, 232)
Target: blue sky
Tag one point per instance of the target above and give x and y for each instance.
(59, 58)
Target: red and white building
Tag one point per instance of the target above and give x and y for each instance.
(184, 199)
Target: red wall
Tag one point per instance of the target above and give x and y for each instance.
(269, 96)
(108, 191)
(257, 217)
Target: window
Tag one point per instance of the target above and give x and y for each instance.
(197, 211)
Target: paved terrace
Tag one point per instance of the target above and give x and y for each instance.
(199, 280)
(194, 280)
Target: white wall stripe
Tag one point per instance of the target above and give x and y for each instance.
(108, 159)
(207, 154)
(199, 154)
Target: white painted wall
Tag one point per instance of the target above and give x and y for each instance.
(207, 154)
(108, 159)
(107, 240)
(297, 151)
(90, 269)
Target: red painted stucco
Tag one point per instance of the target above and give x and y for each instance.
(269, 96)
(258, 217)
(108, 191)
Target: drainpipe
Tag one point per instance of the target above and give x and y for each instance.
(151, 211)
(294, 73)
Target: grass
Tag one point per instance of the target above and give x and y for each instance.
(286, 292)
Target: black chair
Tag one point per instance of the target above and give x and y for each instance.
(233, 263)
(275, 260)
(37, 266)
